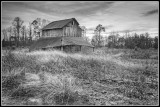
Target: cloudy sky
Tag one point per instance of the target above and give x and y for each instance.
(135, 16)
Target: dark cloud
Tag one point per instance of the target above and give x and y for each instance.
(90, 8)
(72, 8)
(15, 6)
(127, 31)
(133, 30)
(24, 7)
(151, 12)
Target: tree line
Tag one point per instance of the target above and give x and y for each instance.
(19, 34)
(130, 41)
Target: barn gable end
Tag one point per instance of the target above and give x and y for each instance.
(67, 27)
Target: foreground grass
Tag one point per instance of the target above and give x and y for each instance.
(57, 78)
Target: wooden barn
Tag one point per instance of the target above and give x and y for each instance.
(64, 35)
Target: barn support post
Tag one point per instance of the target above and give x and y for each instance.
(70, 48)
(80, 48)
(62, 44)
(61, 48)
(93, 49)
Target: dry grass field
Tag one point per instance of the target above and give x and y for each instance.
(103, 77)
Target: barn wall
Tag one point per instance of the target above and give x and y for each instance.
(86, 50)
(79, 32)
(72, 29)
(53, 33)
(72, 48)
(76, 48)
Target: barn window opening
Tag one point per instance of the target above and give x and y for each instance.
(64, 31)
(72, 23)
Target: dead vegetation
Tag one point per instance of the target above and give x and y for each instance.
(105, 77)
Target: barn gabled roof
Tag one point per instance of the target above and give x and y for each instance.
(58, 24)
(58, 41)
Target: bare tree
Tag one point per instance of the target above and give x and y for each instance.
(10, 30)
(4, 31)
(83, 31)
(98, 30)
(127, 33)
(38, 24)
(155, 42)
(44, 22)
(35, 25)
(30, 32)
(17, 23)
(97, 40)
(23, 31)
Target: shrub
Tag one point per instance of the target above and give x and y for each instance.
(59, 89)
(11, 82)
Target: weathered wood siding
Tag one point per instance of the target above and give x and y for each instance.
(72, 29)
(52, 33)
(79, 32)
(72, 48)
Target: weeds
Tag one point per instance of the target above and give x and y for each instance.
(56, 78)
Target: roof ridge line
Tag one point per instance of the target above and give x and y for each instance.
(61, 20)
